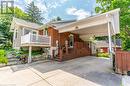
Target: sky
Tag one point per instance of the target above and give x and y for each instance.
(66, 9)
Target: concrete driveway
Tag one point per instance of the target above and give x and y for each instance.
(85, 71)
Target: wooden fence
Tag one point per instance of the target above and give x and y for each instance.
(122, 62)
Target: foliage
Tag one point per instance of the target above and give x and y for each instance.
(18, 13)
(19, 53)
(38, 52)
(102, 54)
(57, 19)
(2, 53)
(5, 22)
(6, 36)
(34, 14)
(124, 5)
(3, 58)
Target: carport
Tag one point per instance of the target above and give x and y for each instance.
(106, 24)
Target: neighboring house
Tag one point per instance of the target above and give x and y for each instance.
(65, 39)
(103, 46)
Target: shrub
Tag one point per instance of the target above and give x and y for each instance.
(103, 55)
(3, 58)
(2, 53)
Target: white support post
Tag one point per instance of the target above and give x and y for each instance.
(14, 35)
(30, 54)
(110, 41)
(22, 31)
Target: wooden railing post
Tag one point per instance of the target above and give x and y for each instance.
(61, 54)
(66, 46)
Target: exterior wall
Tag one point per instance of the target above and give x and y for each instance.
(105, 49)
(17, 41)
(40, 32)
(65, 36)
(54, 36)
(80, 48)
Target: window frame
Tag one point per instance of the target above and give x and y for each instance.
(71, 40)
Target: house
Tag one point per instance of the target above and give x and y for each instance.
(65, 39)
(103, 46)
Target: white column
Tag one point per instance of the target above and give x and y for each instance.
(30, 54)
(14, 35)
(110, 41)
(22, 31)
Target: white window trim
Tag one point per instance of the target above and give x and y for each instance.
(72, 41)
(30, 30)
(45, 32)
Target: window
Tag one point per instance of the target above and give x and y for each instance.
(45, 32)
(71, 40)
(26, 31)
(33, 32)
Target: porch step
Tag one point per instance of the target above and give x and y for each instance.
(13, 61)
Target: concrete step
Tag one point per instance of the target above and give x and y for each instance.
(13, 59)
(14, 62)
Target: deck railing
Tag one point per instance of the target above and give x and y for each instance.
(35, 39)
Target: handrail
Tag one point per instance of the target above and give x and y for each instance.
(39, 39)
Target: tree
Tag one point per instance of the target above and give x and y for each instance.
(6, 35)
(18, 13)
(57, 19)
(34, 13)
(5, 22)
(124, 5)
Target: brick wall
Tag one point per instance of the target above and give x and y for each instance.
(54, 35)
(80, 47)
(40, 32)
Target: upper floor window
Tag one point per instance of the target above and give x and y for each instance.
(27, 31)
(71, 40)
(45, 31)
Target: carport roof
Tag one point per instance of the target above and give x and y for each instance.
(96, 25)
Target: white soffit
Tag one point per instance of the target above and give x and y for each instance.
(96, 25)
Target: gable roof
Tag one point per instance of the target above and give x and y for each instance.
(57, 24)
(24, 23)
(60, 23)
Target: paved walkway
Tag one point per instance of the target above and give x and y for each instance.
(126, 80)
(86, 71)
